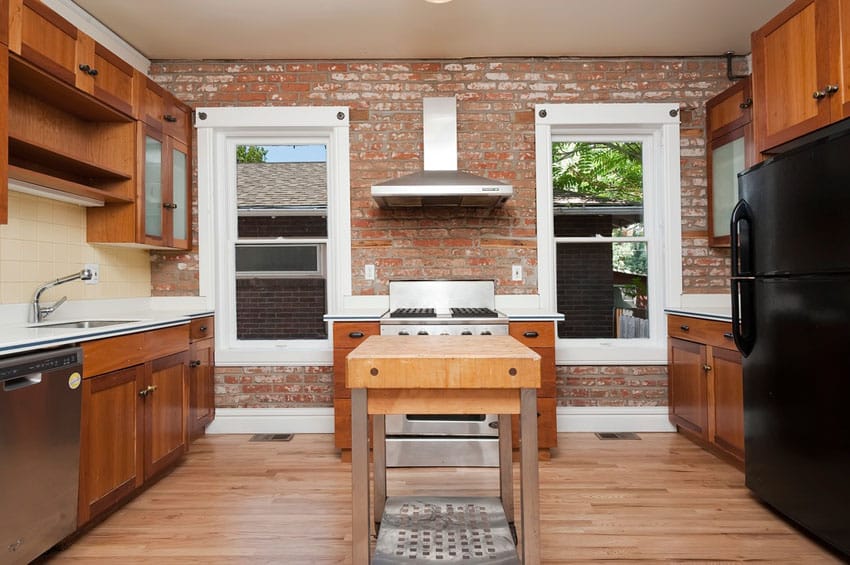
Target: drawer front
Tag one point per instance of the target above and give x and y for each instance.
(202, 328)
(113, 353)
(351, 334)
(709, 332)
(533, 334)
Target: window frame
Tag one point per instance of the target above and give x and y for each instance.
(657, 126)
(220, 131)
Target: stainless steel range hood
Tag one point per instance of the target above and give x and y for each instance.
(441, 184)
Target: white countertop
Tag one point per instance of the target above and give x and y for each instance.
(136, 314)
(719, 313)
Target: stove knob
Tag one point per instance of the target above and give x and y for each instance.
(421, 332)
(486, 332)
(403, 332)
(466, 332)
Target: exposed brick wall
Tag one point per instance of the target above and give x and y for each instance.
(273, 387)
(280, 309)
(282, 226)
(611, 385)
(495, 137)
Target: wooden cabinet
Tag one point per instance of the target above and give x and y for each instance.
(346, 336)
(800, 78)
(4, 22)
(730, 149)
(705, 385)
(134, 406)
(201, 375)
(103, 74)
(540, 336)
(4, 135)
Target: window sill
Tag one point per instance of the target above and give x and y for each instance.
(312, 353)
(592, 352)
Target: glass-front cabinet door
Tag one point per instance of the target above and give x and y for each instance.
(167, 211)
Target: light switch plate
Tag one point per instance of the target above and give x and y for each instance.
(369, 272)
(95, 269)
(516, 273)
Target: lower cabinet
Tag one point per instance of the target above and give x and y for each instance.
(201, 376)
(705, 385)
(134, 423)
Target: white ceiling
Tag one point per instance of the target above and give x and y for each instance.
(404, 29)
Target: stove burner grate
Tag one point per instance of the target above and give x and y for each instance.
(474, 313)
(413, 313)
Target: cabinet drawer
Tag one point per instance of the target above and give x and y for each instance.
(351, 334)
(709, 332)
(533, 334)
(202, 328)
(113, 353)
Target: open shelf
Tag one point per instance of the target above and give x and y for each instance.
(52, 183)
(26, 151)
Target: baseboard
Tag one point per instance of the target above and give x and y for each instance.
(613, 419)
(321, 420)
(272, 421)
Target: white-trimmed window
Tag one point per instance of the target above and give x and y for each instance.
(609, 249)
(276, 229)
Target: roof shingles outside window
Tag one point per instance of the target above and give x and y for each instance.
(281, 185)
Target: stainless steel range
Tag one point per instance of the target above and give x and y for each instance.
(442, 307)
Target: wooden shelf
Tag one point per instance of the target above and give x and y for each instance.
(55, 183)
(26, 151)
(35, 82)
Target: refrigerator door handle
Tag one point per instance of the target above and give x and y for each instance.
(741, 239)
(743, 314)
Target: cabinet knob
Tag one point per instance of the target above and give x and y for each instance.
(169, 205)
(169, 118)
(195, 363)
(203, 328)
(706, 368)
(831, 89)
(728, 335)
(819, 94)
(685, 328)
(93, 72)
(746, 104)
(146, 391)
(85, 68)
(355, 335)
(531, 334)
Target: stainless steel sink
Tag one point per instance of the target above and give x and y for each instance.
(82, 324)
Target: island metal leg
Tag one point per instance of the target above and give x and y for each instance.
(506, 467)
(379, 455)
(529, 479)
(360, 520)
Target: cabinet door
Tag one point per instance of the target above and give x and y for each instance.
(844, 23)
(4, 137)
(728, 401)
(687, 387)
(45, 39)
(165, 412)
(102, 73)
(201, 387)
(151, 210)
(110, 440)
(4, 22)
(792, 60)
(177, 209)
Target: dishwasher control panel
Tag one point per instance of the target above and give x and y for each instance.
(41, 362)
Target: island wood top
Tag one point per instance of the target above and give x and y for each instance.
(442, 362)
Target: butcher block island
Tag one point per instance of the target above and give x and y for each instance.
(393, 374)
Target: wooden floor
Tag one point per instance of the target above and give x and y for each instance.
(659, 499)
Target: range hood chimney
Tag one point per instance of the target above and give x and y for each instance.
(440, 183)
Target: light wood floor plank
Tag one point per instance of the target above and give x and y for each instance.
(660, 499)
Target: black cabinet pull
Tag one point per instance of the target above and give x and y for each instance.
(728, 335)
(531, 334)
(85, 68)
(93, 72)
(203, 328)
(355, 335)
(169, 205)
(685, 328)
(194, 364)
(169, 118)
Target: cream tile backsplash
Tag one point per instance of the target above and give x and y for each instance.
(46, 239)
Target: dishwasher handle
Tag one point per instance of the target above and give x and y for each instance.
(24, 381)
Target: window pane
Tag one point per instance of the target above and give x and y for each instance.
(153, 187)
(280, 308)
(602, 290)
(277, 258)
(727, 161)
(597, 188)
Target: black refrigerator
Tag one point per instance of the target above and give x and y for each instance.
(791, 321)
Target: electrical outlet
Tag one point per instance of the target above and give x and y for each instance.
(516, 273)
(369, 272)
(95, 271)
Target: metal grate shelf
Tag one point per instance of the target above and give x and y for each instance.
(467, 530)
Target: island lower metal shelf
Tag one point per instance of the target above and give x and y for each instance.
(442, 375)
(420, 530)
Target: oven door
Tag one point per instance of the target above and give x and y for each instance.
(444, 425)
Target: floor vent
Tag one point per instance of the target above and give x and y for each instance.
(617, 435)
(271, 437)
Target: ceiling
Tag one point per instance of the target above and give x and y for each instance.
(405, 29)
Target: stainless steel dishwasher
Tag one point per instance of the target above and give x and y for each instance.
(39, 451)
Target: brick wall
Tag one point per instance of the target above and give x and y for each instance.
(611, 385)
(280, 308)
(273, 387)
(495, 137)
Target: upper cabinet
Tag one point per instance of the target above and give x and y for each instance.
(730, 149)
(801, 71)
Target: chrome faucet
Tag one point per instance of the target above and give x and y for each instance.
(37, 312)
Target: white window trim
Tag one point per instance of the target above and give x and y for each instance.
(219, 131)
(658, 125)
